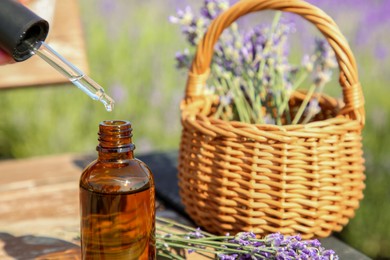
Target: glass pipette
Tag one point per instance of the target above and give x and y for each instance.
(75, 75)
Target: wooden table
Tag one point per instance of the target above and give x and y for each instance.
(39, 207)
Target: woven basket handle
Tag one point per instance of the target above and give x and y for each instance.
(352, 91)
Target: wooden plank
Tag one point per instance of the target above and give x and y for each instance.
(40, 196)
(39, 208)
(65, 36)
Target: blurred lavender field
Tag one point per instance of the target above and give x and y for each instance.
(131, 49)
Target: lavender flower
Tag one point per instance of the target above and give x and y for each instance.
(282, 247)
(307, 63)
(212, 8)
(227, 257)
(190, 251)
(183, 59)
(196, 234)
(293, 247)
(227, 99)
(323, 63)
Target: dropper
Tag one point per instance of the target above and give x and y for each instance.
(22, 34)
(75, 75)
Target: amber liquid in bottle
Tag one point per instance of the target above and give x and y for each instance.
(117, 200)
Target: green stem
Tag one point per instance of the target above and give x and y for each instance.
(185, 227)
(185, 246)
(286, 111)
(210, 244)
(254, 95)
(220, 109)
(170, 255)
(318, 91)
(307, 118)
(308, 96)
(207, 243)
(275, 22)
(199, 247)
(296, 84)
(239, 100)
(217, 249)
(276, 92)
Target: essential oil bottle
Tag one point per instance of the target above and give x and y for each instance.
(117, 200)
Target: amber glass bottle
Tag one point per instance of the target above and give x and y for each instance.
(117, 200)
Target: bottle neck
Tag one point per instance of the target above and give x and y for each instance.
(115, 141)
(114, 155)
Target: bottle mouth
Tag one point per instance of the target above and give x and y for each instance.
(117, 123)
(115, 134)
(115, 126)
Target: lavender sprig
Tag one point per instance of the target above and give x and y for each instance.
(172, 236)
(320, 64)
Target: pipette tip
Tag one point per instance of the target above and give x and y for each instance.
(108, 102)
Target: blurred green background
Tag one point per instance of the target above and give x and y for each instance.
(131, 48)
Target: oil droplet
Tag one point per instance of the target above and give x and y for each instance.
(107, 101)
(109, 107)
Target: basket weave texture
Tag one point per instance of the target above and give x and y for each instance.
(305, 179)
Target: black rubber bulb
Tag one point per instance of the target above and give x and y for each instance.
(21, 30)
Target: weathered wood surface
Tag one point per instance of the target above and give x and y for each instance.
(66, 37)
(39, 211)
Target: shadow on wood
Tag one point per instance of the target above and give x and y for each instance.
(38, 247)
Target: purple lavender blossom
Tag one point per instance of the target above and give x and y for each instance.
(183, 59)
(227, 257)
(292, 247)
(196, 234)
(323, 62)
(314, 243)
(211, 8)
(191, 26)
(275, 239)
(307, 62)
(285, 247)
(194, 27)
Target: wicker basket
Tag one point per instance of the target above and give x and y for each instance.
(305, 179)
